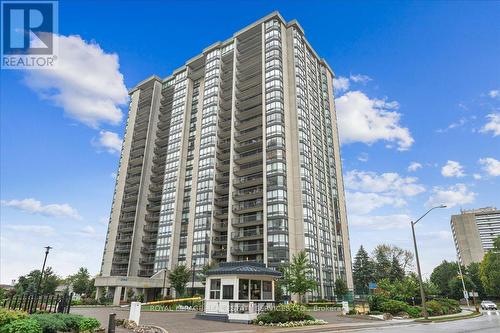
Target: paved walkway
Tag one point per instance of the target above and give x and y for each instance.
(185, 322)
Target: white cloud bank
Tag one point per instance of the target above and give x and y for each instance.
(109, 141)
(381, 222)
(34, 206)
(493, 125)
(414, 166)
(451, 196)
(86, 83)
(366, 120)
(491, 166)
(452, 169)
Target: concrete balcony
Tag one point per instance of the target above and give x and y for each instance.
(152, 217)
(220, 240)
(127, 217)
(136, 160)
(145, 272)
(248, 123)
(149, 239)
(153, 207)
(219, 254)
(219, 226)
(130, 198)
(249, 168)
(124, 239)
(245, 146)
(247, 220)
(248, 181)
(247, 249)
(120, 260)
(133, 180)
(248, 194)
(122, 249)
(119, 271)
(223, 165)
(222, 177)
(134, 169)
(149, 260)
(221, 213)
(221, 202)
(222, 189)
(155, 196)
(151, 227)
(125, 227)
(129, 207)
(148, 249)
(252, 133)
(249, 157)
(249, 234)
(224, 143)
(248, 206)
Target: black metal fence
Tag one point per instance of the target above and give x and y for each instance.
(42, 303)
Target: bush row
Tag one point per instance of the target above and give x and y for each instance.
(19, 322)
(283, 313)
(436, 307)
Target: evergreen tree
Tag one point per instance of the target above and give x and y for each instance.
(382, 264)
(340, 288)
(397, 272)
(362, 271)
(298, 275)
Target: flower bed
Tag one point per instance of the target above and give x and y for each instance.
(286, 315)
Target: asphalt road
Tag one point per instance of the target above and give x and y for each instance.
(487, 323)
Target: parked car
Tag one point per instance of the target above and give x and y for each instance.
(488, 305)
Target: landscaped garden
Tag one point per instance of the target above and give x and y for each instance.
(13, 321)
(287, 315)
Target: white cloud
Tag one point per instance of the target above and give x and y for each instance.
(491, 166)
(389, 182)
(360, 78)
(364, 203)
(366, 120)
(477, 176)
(439, 234)
(340, 84)
(86, 82)
(461, 122)
(34, 206)
(42, 230)
(109, 141)
(414, 166)
(452, 169)
(451, 196)
(396, 221)
(494, 93)
(363, 157)
(493, 125)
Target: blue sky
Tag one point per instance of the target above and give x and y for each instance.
(417, 82)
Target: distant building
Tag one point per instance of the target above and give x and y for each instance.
(474, 232)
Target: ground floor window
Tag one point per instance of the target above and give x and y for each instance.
(256, 289)
(214, 288)
(267, 290)
(243, 289)
(228, 291)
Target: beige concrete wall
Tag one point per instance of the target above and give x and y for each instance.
(466, 236)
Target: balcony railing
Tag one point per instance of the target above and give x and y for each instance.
(248, 205)
(247, 220)
(247, 249)
(247, 234)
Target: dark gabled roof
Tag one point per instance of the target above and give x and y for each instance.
(243, 268)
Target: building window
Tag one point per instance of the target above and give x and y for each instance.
(227, 291)
(256, 289)
(267, 290)
(243, 289)
(214, 288)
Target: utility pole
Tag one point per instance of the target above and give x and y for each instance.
(422, 293)
(466, 295)
(47, 249)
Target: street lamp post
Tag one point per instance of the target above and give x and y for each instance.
(47, 249)
(164, 291)
(192, 281)
(422, 293)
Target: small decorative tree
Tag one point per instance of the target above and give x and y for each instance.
(341, 288)
(298, 275)
(178, 278)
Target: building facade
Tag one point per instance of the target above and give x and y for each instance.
(235, 156)
(474, 232)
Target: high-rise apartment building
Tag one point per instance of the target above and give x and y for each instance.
(235, 156)
(474, 232)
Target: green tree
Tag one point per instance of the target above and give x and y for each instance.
(26, 284)
(456, 287)
(382, 264)
(473, 272)
(404, 257)
(178, 278)
(490, 270)
(362, 271)
(341, 288)
(204, 270)
(80, 281)
(299, 276)
(442, 275)
(396, 272)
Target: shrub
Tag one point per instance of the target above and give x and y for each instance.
(50, 323)
(88, 324)
(393, 306)
(376, 300)
(414, 311)
(434, 308)
(283, 314)
(451, 305)
(7, 316)
(71, 321)
(26, 325)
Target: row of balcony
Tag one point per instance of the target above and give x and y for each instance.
(243, 249)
